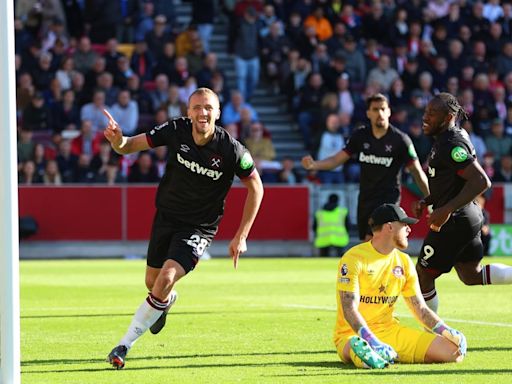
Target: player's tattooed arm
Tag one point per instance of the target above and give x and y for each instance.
(350, 304)
(421, 311)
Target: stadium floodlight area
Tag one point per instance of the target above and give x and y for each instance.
(9, 251)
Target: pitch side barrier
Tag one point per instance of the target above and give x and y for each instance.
(124, 212)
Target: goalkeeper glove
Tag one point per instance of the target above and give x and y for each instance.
(453, 335)
(383, 350)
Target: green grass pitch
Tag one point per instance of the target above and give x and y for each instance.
(270, 321)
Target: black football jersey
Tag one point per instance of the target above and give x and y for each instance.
(381, 161)
(197, 178)
(451, 152)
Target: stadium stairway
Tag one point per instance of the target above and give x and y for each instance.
(271, 107)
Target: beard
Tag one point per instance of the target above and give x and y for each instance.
(401, 242)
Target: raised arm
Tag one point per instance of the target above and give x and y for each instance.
(331, 162)
(122, 144)
(254, 187)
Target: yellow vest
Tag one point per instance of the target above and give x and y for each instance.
(330, 229)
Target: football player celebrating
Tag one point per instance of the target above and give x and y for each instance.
(203, 160)
(455, 179)
(382, 151)
(371, 277)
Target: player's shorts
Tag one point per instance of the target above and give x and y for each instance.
(458, 241)
(365, 208)
(410, 344)
(177, 241)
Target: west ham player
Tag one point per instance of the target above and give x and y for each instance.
(371, 276)
(203, 160)
(382, 151)
(455, 179)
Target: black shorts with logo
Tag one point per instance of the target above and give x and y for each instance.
(177, 241)
(458, 241)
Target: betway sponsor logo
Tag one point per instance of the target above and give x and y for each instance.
(194, 167)
(372, 159)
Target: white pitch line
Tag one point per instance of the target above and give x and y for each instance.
(332, 309)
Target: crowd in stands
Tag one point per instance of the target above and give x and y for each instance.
(75, 57)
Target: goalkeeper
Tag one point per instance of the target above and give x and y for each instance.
(371, 276)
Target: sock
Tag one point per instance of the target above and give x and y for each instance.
(357, 360)
(432, 300)
(148, 312)
(496, 274)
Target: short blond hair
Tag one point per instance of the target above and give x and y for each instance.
(204, 91)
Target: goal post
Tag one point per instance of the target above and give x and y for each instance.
(9, 250)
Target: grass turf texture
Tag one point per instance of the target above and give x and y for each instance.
(270, 321)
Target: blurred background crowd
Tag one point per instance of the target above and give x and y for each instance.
(137, 59)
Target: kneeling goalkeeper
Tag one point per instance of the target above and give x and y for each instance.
(371, 276)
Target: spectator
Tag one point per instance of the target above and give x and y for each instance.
(320, 23)
(275, 47)
(159, 95)
(67, 161)
(186, 39)
(39, 159)
(288, 173)
(504, 60)
(139, 95)
(51, 174)
(84, 172)
(309, 107)
(158, 36)
(102, 160)
(174, 106)
(65, 73)
(84, 57)
(91, 77)
(142, 61)
(262, 150)
(143, 170)
(375, 25)
(232, 109)
(497, 143)
(187, 89)
(203, 15)
(36, 117)
(65, 112)
(421, 143)
(93, 111)
(383, 74)
(129, 13)
(105, 82)
(146, 21)
(195, 57)
(492, 10)
(508, 120)
(205, 74)
(111, 55)
(122, 72)
(43, 73)
(345, 97)
(504, 172)
(180, 73)
(246, 50)
(28, 174)
(331, 142)
(478, 142)
(25, 145)
(165, 64)
(126, 112)
(24, 91)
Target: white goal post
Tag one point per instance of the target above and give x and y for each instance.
(9, 250)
